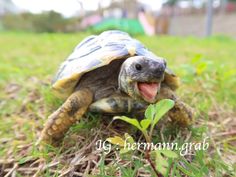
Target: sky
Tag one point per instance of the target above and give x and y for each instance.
(70, 7)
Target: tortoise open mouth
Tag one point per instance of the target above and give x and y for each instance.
(148, 90)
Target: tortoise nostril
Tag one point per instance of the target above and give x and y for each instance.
(163, 67)
(138, 67)
(164, 63)
(160, 69)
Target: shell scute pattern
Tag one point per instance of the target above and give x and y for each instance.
(94, 52)
(86, 40)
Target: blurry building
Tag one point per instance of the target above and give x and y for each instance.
(6, 6)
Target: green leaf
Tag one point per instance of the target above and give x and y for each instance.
(124, 150)
(161, 163)
(160, 159)
(145, 123)
(116, 140)
(201, 68)
(168, 153)
(162, 107)
(150, 112)
(129, 143)
(133, 122)
(129, 138)
(161, 169)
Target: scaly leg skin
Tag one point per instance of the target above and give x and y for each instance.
(117, 104)
(61, 120)
(181, 113)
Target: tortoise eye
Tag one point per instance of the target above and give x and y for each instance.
(138, 67)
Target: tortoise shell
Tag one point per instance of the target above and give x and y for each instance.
(97, 51)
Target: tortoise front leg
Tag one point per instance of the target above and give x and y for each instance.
(181, 113)
(117, 104)
(61, 120)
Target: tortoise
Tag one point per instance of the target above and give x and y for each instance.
(111, 73)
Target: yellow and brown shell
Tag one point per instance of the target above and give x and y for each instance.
(97, 51)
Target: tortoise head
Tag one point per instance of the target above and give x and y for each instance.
(140, 77)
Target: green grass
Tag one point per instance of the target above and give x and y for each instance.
(28, 62)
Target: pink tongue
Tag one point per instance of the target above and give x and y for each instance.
(148, 90)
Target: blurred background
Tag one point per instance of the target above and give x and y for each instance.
(172, 17)
(37, 35)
